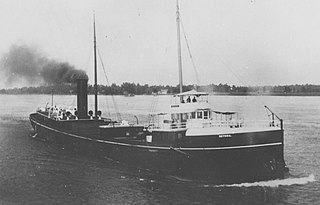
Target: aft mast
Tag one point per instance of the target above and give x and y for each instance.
(95, 70)
(179, 48)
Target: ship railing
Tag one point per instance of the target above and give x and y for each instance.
(232, 124)
(262, 123)
(168, 125)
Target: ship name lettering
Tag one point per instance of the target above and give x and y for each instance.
(224, 136)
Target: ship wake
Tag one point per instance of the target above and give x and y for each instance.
(273, 183)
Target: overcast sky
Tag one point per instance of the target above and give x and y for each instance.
(241, 42)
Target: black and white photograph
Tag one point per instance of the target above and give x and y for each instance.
(159, 102)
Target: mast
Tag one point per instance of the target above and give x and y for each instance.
(179, 48)
(95, 70)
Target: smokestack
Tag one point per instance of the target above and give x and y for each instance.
(82, 97)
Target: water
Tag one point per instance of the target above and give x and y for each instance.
(34, 172)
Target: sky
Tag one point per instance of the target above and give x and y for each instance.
(243, 42)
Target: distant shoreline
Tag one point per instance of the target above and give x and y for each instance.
(131, 89)
(212, 94)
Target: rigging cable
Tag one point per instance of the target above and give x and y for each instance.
(190, 55)
(228, 67)
(113, 100)
(219, 58)
(239, 79)
(154, 103)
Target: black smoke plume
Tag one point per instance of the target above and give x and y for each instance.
(27, 64)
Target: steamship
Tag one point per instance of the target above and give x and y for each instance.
(191, 141)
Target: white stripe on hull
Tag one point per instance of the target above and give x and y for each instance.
(194, 132)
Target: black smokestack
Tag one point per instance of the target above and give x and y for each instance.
(82, 97)
(25, 63)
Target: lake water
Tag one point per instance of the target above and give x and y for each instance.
(35, 172)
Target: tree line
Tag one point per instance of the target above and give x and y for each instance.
(138, 89)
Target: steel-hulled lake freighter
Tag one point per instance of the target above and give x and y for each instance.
(190, 141)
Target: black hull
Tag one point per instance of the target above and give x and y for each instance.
(213, 164)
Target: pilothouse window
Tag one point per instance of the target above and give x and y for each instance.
(199, 115)
(205, 114)
(175, 117)
(184, 116)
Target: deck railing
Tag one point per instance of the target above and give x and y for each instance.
(214, 123)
